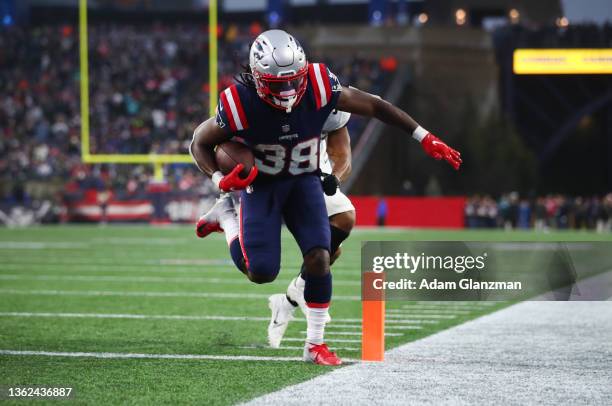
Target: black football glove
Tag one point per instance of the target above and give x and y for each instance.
(330, 183)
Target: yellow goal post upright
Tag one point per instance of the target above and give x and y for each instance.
(157, 160)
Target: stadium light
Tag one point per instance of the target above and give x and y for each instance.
(514, 16)
(460, 16)
(423, 18)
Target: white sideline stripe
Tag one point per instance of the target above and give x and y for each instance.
(255, 347)
(216, 295)
(122, 355)
(544, 341)
(332, 340)
(145, 279)
(232, 104)
(422, 316)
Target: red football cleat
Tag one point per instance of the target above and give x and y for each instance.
(205, 227)
(321, 355)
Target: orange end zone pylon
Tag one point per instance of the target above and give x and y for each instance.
(372, 319)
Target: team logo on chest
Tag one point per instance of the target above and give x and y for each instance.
(285, 128)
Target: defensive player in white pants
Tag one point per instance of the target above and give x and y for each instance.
(335, 164)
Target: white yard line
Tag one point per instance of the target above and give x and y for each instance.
(353, 333)
(143, 279)
(547, 353)
(387, 327)
(133, 316)
(447, 303)
(333, 326)
(426, 311)
(36, 245)
(410, 321)
(119, 355)
(129, 355)
(330, 341)
(284, 347)
(421, 316)
(215, 295)
(156, 317)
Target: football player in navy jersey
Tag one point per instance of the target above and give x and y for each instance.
(278, 109)
(335, 165)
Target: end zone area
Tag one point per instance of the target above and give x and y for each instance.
(131, 313)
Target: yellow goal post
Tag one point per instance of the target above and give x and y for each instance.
(157, 160)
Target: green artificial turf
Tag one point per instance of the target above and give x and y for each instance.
(133, 270)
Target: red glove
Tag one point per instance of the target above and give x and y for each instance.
(437, 149)
(233, 181)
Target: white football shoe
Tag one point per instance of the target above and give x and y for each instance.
(282, 314)
(210, 222)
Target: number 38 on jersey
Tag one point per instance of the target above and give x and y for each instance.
(300, 158)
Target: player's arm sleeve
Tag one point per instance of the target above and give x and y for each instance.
(325, 85)
(336, 120)
(230, 114)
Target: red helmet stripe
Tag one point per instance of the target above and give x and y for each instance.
(228, 110)
(241, 114)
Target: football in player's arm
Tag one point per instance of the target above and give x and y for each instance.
(351, 100)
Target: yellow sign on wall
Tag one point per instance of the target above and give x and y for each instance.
(562, 61)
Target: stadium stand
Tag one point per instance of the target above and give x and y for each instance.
(148, 92)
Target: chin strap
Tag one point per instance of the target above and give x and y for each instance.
(290, 106)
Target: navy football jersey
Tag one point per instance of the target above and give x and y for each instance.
(284, 144)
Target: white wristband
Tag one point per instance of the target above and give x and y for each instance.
(216, 178)
(419, 133)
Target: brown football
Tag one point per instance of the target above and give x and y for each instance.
(230, 153)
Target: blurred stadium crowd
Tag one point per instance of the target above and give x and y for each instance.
(511, 211)
(148, 91)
